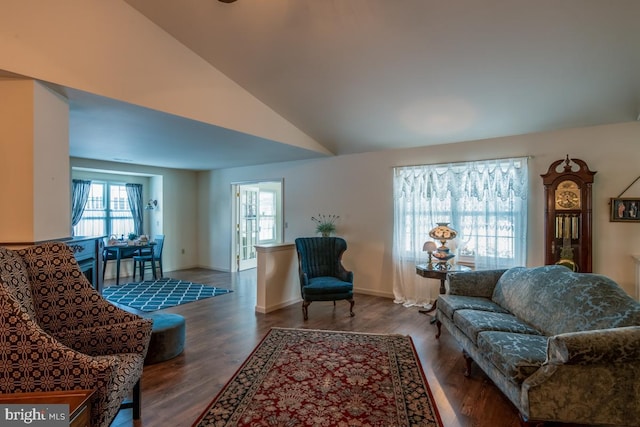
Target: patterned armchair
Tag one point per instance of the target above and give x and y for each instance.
(58, 333)
(322, 275)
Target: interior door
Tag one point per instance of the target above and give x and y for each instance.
(247, 226)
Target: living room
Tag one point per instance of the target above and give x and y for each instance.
(199, 220)
(362, 194)
(196, 204)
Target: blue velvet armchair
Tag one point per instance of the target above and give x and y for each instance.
(322, 275)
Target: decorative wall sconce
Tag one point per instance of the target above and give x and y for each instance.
(151, 205)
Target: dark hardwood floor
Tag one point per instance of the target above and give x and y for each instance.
(222, 331)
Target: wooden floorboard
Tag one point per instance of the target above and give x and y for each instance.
(222, 331)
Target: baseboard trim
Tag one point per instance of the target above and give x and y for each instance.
(374, 293)
(269, 309)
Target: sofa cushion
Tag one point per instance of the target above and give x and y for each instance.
(327, 284)
(472, 322)
(517, 356)
(449, 304)
(555, 300)
(13, 274)
(477, 283)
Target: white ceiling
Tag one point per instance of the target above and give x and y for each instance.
(365, 75)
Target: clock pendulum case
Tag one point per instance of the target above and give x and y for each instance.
(568, 215)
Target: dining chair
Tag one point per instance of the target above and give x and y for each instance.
(108, 255)
(145, 260)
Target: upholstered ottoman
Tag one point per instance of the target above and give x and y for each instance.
(167, 337)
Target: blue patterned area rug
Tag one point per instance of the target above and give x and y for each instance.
(162, 293)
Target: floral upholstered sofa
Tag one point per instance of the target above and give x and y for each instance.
(562, 346)
(57, 333)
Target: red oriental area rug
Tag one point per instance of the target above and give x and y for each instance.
(302, 377)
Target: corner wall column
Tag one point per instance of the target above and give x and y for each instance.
(278, 282)
(35, 175)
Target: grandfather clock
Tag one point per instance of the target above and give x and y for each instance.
(568, 216)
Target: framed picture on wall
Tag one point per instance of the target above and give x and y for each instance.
(625, 210)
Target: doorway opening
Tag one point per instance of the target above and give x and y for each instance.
(258, 220)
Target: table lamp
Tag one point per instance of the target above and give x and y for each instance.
(429, 247)
(442, 232)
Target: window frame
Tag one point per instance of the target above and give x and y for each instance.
(108, 217)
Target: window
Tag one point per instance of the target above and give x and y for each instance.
(107, 211)
(484, 201)
(267, 216)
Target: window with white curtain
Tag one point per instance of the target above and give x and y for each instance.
(485, 201)
(107, 211)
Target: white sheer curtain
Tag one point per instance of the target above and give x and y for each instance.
(485, 201)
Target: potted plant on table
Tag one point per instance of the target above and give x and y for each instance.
(325, 224)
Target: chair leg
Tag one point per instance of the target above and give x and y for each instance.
(137, 401)
(468, 360)
(153, 270)
(351, 302)
(305, 311)
(104, 268)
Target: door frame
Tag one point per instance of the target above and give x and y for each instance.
(278, 185)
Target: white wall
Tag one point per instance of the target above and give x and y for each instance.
(51, 201)
(176, 192)
(359, 188)
(34, 163)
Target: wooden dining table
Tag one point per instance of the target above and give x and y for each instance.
(124, 251)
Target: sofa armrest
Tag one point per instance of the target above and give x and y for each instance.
(589, 377)
(474, 283)
(601, 346)
(602, 394)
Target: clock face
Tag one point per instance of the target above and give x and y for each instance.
(567, 195)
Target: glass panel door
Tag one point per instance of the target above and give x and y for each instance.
(258, 220)
(247, 227)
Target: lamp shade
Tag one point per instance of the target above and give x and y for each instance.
(443, 232)
(429, 246)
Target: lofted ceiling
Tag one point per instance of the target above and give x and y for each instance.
(366, 75)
